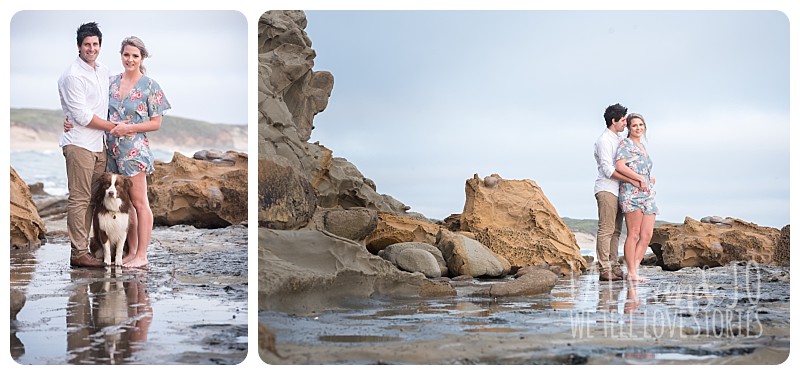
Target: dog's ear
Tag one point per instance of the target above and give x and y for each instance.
(127, 183)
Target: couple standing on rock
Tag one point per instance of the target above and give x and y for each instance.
(623, 185)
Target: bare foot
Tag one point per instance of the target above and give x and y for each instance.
(636, 278)
(128, 258)
(135, 263)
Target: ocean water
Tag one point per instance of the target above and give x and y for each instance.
(49, 168)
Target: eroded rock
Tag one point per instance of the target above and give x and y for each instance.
(301, 271)
(712, 244)
(515, 219)
(431, 265)
(465, 256)
(394, 229)
(198, 192)
(27, 228)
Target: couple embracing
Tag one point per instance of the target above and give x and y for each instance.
(624, 186)
(107, 118)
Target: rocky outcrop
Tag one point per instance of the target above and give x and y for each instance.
(712, 244)
(199, 192)
(27, 228)
(321, 220)
(311, 270)
(290, 95)
(515, 219)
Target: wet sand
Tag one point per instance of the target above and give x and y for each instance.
(737, 314)
(189, 306)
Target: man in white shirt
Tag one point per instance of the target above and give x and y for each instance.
(606, 190)
(83, 89)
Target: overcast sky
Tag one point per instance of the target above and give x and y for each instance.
(422, 100)
(198, 57)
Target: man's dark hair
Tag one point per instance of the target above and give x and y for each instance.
(614, 113)
(89, 29)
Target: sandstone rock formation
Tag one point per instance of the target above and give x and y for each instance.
(318, 200)
(712, 244)
(321, 221)
(290, 95)
(515, 219)
(310, 270)
(199, 192)
(781, 257)
(354, 224)
(394, 229)
(285, 198)
(27, 228)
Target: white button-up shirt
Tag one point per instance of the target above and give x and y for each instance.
(84, 93)
(605, 153)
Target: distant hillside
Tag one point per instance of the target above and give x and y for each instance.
(590, 225)
(33, 129)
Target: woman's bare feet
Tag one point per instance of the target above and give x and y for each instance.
(636, 278)
(128, 258)
(135, 263)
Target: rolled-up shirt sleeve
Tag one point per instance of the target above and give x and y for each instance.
(73, 92)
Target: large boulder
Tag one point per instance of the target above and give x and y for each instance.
(713, 243)
(27, 228)
(515, 219)
(394, 229)
(200, 193)
(465, 256)
(303, 271)
(354, 224)
(416, 257)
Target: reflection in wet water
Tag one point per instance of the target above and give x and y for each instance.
(108, 316)
(63, 315)
(668, 319)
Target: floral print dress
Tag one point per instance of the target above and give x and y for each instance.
(630, 197)
(130, 154)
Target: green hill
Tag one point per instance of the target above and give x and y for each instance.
(590, 225)
(181, 132)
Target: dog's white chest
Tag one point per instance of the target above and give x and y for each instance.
(114, 225)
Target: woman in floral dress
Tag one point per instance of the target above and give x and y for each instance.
(137, 102)
(637, 202)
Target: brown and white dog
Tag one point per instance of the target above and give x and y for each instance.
(110, 217)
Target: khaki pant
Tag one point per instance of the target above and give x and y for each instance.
(83, 166)
(609, 227)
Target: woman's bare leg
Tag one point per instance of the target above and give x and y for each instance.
(633, 221)
(133, 237)
(645, 235)
(144, 218)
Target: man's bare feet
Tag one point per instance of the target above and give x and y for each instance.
(135, 263)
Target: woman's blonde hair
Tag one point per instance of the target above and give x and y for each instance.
(640, 117)
(136, 42)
